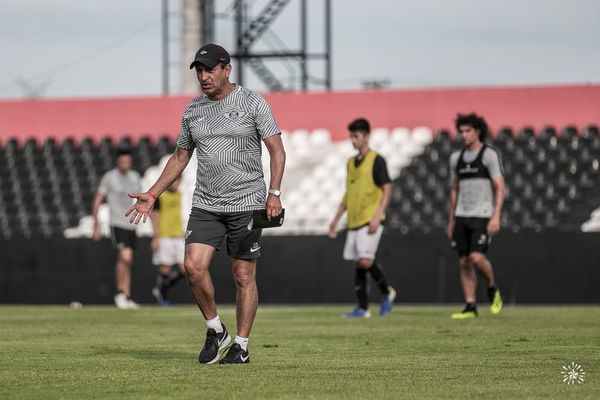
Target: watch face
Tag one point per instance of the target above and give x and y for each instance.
(274, 192)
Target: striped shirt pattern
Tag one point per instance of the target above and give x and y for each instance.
(227, 137)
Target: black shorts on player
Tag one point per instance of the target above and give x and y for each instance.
(470, 235)
(122, 238)
(211, 227)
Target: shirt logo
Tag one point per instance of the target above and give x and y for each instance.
(232, 115)
(468, 170)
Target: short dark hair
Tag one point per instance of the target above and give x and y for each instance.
(475, 121)
(360, 125)
(123, 151)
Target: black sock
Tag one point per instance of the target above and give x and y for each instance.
(378, 275)
(174, 276)
(162, 283)
(360, 286)
(165, 281)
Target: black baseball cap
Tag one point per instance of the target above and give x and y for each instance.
(210, 55)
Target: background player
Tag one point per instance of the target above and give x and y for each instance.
(368, 193)
(476, 198)
(168, 244)
(114, 187)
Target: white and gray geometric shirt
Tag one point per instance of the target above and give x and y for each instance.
(227, 136)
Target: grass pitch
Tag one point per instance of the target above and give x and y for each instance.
(308, 352)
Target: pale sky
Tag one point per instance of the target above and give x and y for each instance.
(100, 48)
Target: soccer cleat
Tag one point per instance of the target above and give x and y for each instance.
(467, 313)
(213, 345)
(121, 301)
(387, 302)
(358, 313)
(235, 355)
(165, 303)
(495, 301)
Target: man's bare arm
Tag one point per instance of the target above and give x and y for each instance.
(499, 190)
(452, 207)
(145, 201)
(277, 162)
(98, 199)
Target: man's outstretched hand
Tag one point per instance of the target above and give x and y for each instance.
(141, 209)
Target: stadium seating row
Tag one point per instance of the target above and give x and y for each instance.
(552, 179)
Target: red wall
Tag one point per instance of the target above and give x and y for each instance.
(435, 108)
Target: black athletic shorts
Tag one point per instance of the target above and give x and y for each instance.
(211, 227)
(470, 235)
(122, 238)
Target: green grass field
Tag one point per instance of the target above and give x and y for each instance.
(307, 352)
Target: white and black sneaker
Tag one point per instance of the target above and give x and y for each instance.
(236, 355)
(213, 345)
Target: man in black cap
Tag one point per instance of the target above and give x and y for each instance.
(226, 127)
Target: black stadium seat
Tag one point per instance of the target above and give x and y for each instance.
(46, 186)
(548, 176)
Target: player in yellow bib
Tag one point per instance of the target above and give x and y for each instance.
(168, 244)
(368, 192)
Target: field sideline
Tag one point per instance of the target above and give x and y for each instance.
(299, 352)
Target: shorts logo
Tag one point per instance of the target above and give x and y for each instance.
(482, 239)
(187, 234)
(255, 247)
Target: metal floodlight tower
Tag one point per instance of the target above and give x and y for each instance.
(249, 30)
(197, 26)
(194, 26)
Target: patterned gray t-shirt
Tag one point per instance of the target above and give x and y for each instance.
(475, 196)
(115, 186)
(227, 137)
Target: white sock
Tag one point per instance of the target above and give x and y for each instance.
(242, 341)
(215, 323)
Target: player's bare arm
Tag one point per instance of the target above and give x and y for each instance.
(383, 204)
(145, 201)
(277, 156)
(499, 189)
(451, 208)
(336, 219)
(98, 199)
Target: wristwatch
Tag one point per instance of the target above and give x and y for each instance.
(275, 192)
